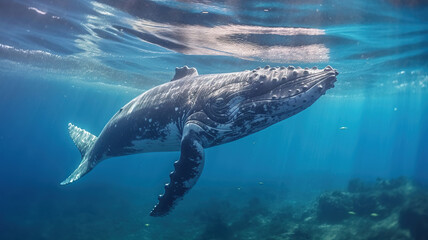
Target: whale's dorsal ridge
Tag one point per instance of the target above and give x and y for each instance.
(184, 72)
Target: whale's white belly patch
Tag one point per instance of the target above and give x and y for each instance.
(171, 142)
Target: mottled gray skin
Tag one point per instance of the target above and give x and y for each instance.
(193, 112)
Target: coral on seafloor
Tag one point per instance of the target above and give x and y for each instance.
(387, 209)
(414, 216)
(395, 209)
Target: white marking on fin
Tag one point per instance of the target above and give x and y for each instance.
(81, 138)
(84, 141)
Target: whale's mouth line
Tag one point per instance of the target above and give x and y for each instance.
(292, 108)
(314, 83)
(315, 77)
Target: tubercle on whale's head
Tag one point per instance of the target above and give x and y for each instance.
(288, 89)
(273, 92)
(285, 82)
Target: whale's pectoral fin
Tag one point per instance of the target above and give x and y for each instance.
(187, 170)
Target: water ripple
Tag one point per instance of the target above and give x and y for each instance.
(139, 43)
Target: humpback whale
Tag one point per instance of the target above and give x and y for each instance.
(193, 112)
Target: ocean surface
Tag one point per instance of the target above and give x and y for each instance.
(80, 61)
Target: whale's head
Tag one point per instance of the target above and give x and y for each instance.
(283, 92)
(261, 97)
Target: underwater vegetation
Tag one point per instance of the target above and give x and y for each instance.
(394, 209)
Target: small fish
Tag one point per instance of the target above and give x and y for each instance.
(261, 183)
(238, 188)
(351, 213)
(343, 128)
(146, 224)
(374, 214)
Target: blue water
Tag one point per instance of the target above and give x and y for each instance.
(80, 61)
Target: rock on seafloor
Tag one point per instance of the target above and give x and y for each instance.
(395, 209)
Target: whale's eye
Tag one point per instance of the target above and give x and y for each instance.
(219, 101)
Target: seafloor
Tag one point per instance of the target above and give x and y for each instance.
(394, 209)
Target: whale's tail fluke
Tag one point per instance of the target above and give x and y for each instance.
(84, 141)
